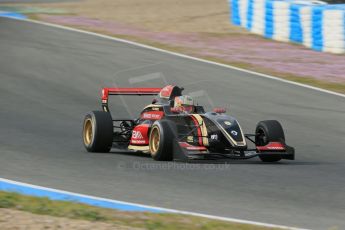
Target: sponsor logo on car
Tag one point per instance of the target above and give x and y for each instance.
(227, 123)
(152, 115)
(214, 137)
(137, 135)
(138, 142)
(233, 132)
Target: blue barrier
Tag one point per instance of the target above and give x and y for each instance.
(296, 31)
(235, 15)
(316, 25)
(320, 27)
(250, 14)
(12, 15)
(269, 19)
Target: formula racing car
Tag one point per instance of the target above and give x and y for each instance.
(172, 127)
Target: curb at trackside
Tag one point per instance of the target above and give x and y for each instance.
(55, 194)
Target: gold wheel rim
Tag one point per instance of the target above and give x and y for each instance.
(154, 140)
(88, 134)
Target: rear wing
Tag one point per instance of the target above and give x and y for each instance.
(106, 92)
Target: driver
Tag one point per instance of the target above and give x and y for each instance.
(184, 104)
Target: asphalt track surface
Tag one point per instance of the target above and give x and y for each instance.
(49, 78)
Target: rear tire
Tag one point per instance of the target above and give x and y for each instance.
(98, 131)
(268, 131)
(161, 139)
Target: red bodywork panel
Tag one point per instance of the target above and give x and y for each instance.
(140, 135)
(272, 146)
(129, 91)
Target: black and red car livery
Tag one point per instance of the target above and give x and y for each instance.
(167, 133)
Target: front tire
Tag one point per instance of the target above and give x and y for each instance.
(268, 131)
(98, 131)
(161, 139)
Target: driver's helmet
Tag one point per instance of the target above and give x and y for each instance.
(184, 104)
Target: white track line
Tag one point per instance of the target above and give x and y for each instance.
(184, 56)
(71, 195)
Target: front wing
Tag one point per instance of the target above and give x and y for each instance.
(182, 153)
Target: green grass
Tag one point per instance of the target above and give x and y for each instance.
(145, 220)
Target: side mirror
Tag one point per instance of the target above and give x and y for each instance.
(219, 110)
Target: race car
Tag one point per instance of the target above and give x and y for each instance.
(172, 127)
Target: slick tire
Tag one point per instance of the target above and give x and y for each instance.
(161, 140)
(98, 131)
(268, 131)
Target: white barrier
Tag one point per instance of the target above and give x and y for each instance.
(320, 27)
